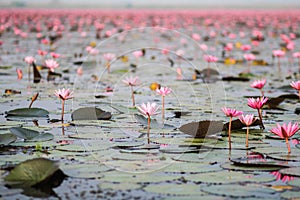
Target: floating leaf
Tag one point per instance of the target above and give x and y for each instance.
(174, 189)
(42, 137)
(7, 138)
(246, 168)
(219, 177)
(257, 161)
(24, 133)
(28, 112)
(76, 170)
(90, 113)
(202, 129)
(153, 124)
(290, 195)
(240, 191)
(293, 171)
(31, 172)
(119, 186)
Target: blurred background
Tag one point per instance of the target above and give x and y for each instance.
(195, 4)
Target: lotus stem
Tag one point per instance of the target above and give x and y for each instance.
(299, 94)
(247, 137)
(279, 69)
(262, 92)
(132, 96)
(108, 67)
(260, 118)
(229, 132)
(163, 109)
(288, 145)
(148, 129)
(62, 110)
(29, 72)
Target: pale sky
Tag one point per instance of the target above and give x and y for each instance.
(156, 3)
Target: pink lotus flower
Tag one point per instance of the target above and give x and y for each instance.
(132, 81)
(290, 46)
(295, 85)
(247, 120)
(246, 47)
(51, 64)
(148, 110)
(203, 47)
(278, 53)
(29, 59)
(63, 94)
(230, 113)
(93, 51)
(42, 53)
(179, 52)
(88, 49)
(45, 41)
(163, 91)
(285, 132)
(55, 55)
(137, 54)
(257, 103)
(259, 84)
(19, 73)
(296, 54)
(109, 56)
(196, 36)
(165, 51)
(210, 58)
(249, 56)
(228, 47)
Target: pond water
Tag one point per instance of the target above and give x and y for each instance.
(110, 159)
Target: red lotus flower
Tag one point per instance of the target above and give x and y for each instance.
(247, 120)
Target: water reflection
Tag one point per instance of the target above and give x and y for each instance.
(281, 177)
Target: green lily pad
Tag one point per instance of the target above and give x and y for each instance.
(258, 162)
(85, 146)
(229, 177)
(229, 166)
(182, 167)
(7, 138)
(285, 156)
(84, 170)
(31, 172)
(175, 189)
(119, 186)
(290, 194)
(90, 113)
(202, 129)
(295, 182)
(293, 171)
(240, 191)
(24, 133)
(28, 112)
(42, 137)
(151, 177)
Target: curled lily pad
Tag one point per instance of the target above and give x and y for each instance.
(24, 133)
(7, 138)
(258, 162)
(31, 172)
(229, 166)
(42, 137)
(28, 112)
(202, 129)
(90, 113)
